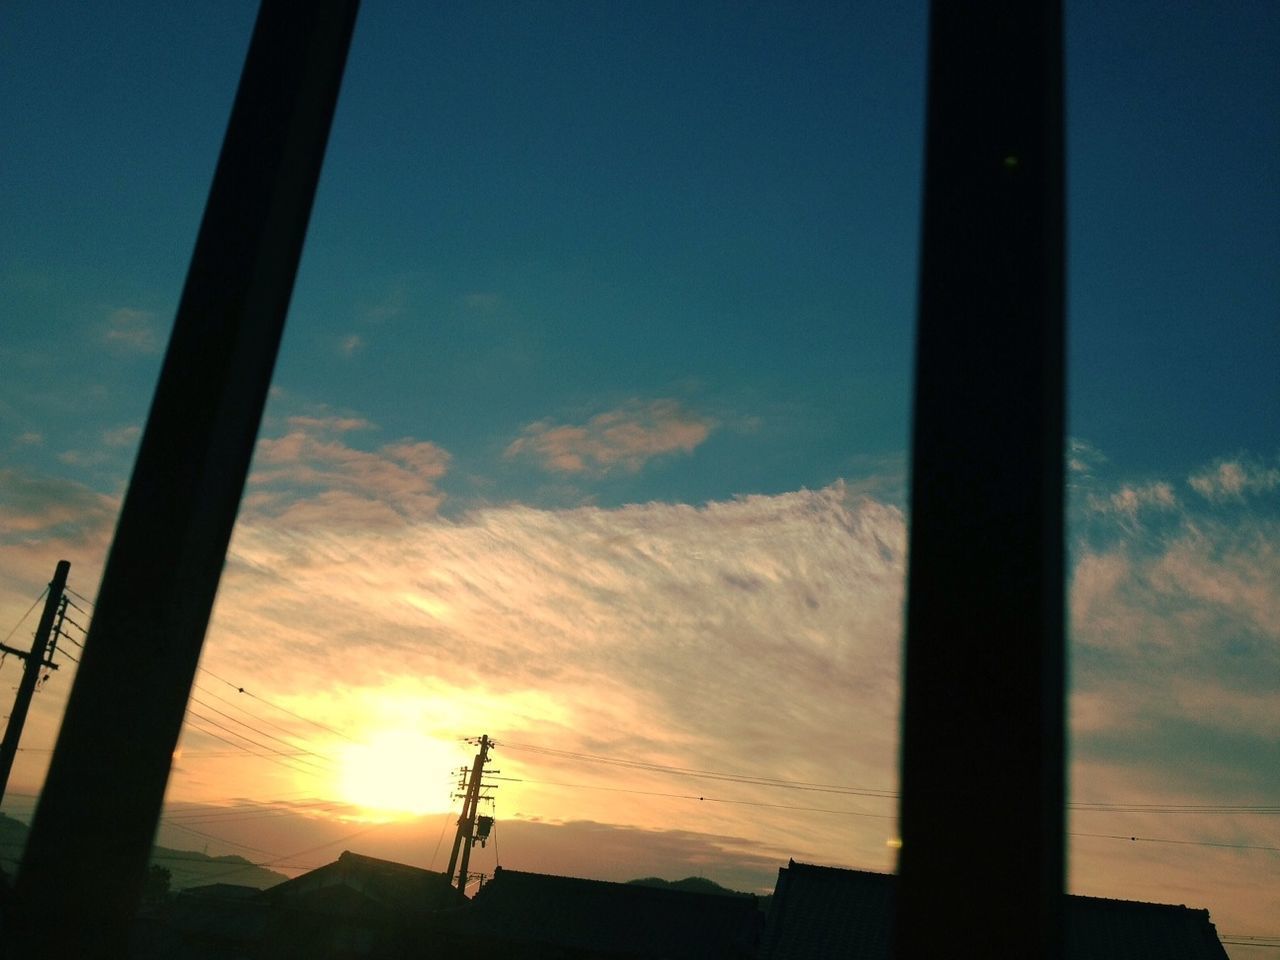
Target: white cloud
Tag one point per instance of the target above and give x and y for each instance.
(758, 635)
(312, 475)
(351, 344)
(132, 330)
(1130, 499)
(624, 439)
(1229, 480)
(1083, 457)
(82, 458)
(126, 436)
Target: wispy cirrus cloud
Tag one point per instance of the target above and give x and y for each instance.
(132, 330)
(1228, 480)
(1083, 458)
(730, 635)
(1128, 500)
(757, 635)
(125, 436)
(311, 473)
(624, 439)
(41, 509)
(1176, 639)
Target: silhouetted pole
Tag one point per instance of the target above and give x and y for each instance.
(981, 867)
(34, 663)
(466, 823)
(470, 841)
(91, 839)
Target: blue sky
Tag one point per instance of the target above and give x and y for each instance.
(610, 308)
(536, 212)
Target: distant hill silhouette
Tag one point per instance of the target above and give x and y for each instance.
(187, 868)
(700, 885)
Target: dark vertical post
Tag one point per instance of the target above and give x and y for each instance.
(34, 663)
(470, 840)
(981, 867)
(96, 820)
(466, 822)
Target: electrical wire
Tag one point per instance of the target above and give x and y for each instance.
(68, 620)
(210, 836)
(297, 716)
(232, 815)
(261, 746)
(1263, 945)
(1189, 843)
(256, 716)
(693, 796)
(704, 774)
(326, 763)
(444, 824)
(80, 596)
(23, 618)
(270, 759)
(876, 793)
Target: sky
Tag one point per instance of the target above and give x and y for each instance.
(589, 430)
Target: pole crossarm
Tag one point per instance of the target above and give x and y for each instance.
(33, 660)
(25, 655)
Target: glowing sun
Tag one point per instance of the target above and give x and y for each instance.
(399, 772)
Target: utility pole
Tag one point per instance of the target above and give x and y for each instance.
(466, 837)
(35, 661)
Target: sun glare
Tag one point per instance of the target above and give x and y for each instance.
(398, 773)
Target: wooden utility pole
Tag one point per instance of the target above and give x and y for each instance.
(35, 662)
(464, 839)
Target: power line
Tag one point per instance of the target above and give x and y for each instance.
(836, 789)
(853, 813)
(298, 716)
(80, 596)
(21, 620)
(1264, 945)
(181, 755)
(692, 796)
(66, 619)
(749, 779)
(1193, 808)
(1189, 843)
(284, 861)
(263, 733)
(210, 836)
(246, 711)
(262, 746)
(875, 793)
(209, 733)
(232, 816)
